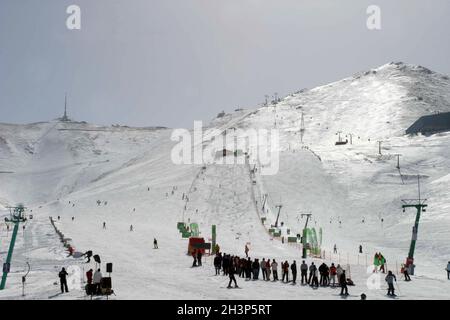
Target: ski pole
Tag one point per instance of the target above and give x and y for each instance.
(398, 287)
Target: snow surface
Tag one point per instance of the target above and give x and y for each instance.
(46, 165)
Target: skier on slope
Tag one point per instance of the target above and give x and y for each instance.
(304, 272)
(404, 270)
(360, 249)
(231, 272)
(448, 270)
(246, 250)
(155, 243)
(343, 283)
(63, 280)
(390, 278)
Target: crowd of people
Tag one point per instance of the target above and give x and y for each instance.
(252, 269)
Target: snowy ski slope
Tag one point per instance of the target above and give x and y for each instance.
(52, 163)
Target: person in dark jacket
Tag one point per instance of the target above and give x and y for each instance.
(255, 267)
(390, 278)
(304, 272)
(322, 273)
(63, 280)
(225, 264)
(217, 263)
(263, 268)
(285, 269)
(231, 272)
(343, 283)
(312, 271)
(248, 269)
(294, 272)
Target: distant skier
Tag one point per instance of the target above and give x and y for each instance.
(360, 249)
(63, 280)
(131, 227)
(390, 278)
(155, 243)
(343, 283)
(73, 218)
(59, 218)
(448, 270)
(304, 272)
(335, 248)
(104, 225)
(294, 272)
(246, 251)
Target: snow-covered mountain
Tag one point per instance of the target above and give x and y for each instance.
(353, 192)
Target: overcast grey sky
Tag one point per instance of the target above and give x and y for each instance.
(170, 62)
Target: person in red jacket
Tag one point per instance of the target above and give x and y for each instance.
(89, 276)
(333, 272)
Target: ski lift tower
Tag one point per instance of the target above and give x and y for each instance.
(279, 206)
(17, 215)
(420, 206)
(308, 216)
